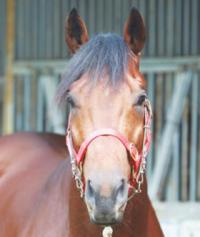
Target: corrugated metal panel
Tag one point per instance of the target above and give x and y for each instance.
(2, 35)
(2, 53)
(172, 26)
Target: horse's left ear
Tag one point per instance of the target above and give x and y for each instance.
(134, 31)
(75, 31)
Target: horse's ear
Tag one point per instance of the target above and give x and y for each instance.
(134, 31)
(75, 31)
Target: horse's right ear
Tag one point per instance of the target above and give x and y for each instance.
(75, 31)
(134, 31)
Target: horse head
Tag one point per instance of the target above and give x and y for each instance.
(108, 114)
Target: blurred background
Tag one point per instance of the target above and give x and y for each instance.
(33, 56)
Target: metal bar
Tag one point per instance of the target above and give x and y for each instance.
(152, 28)
(125, 12)
(92, 17)
(158, 64)
(184, 152)
(33, 102)
(170, 28)
(194, 134)
(41, 28)
(186, 29)
(142, 7)
(161, 27)
(8, 90)
(195, 26)
(108, 15)
(40, 103)
(198, 149)
(173, 178)
(19, 103)
(2, 36)
(64, 13)
(100, 16)
(177, 171)
(34, 30)
(56, 32)
(17, 31)
(15, 103)
(151, 93)
(178, 27)
(55, 117)
(117, 17)
(50, 30)
(27, 102)
(183, 82)
(20, 29)
(27, 40)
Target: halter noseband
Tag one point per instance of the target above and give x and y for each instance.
(137, 159)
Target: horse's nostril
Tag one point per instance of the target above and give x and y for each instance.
(121, 188)
(90, 190)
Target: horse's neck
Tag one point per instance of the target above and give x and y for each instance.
(50, 214)
(60, 212)
(140, 218)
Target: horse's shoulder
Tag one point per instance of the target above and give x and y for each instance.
(32, 139)
(29, 149)
(30, 165)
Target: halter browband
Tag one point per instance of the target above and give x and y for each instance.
(137, 158)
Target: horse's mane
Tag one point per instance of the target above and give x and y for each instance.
(103, 53)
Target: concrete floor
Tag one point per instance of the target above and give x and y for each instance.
(179, 219)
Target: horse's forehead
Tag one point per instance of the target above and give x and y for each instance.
(102, 88)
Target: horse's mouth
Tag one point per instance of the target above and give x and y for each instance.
(106, 222)
(106, 219)
(106, 216)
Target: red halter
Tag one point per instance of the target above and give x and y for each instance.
(136, 157)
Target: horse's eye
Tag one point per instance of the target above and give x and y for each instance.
(71, 101)
(141, 99)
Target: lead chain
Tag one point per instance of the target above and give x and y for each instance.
(76, 172)
(140, 176)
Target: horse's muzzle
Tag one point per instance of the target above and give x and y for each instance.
(106, 210)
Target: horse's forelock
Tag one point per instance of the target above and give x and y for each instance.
(103, 53)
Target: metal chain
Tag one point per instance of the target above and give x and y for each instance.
(140, 176)
(142, 169)
(77, 173)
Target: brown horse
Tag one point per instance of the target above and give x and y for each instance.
(108, 112)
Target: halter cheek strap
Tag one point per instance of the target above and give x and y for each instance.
(137, 160)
